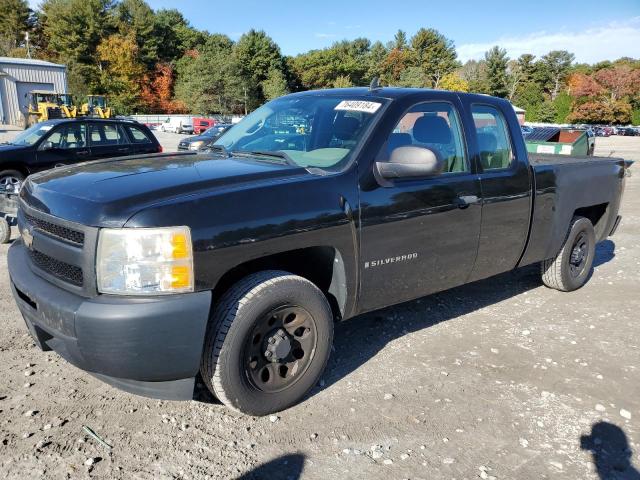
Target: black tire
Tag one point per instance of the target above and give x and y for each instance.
(5, 230)
(227, 367)
(10, 180)
(571, 268)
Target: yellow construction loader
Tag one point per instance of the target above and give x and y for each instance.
(42, 107)
(96, 106)
(65, 101)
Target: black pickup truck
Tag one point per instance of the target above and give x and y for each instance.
(318, 206)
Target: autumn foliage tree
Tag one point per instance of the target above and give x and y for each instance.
(157, 91)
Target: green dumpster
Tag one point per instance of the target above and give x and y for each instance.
(559, 141)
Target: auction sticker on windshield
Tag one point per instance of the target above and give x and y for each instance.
(358, 106)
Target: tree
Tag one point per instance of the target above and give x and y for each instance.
(343, 81)
(15, 20)
(254, 57)
(600, 111)
(497, 60)
(557, 64)
(376, 57)
(394, 65)
(175, 34)
(135, 17)
(157, 91)
(73, 29)
(435, 54)
(205, 81)
(619, 81)
(474, 72)
(453, 81)
(400, 40)
(581, 85)
(514, 78)
(275, 85)
(122, 71)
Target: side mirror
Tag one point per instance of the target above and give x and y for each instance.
(46, 146)
(411, 162)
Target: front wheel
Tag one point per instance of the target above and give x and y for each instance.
(11, 181)
(268, 342)
(571, 267)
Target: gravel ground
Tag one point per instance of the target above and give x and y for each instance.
(502, 378)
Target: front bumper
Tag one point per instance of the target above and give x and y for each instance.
(148, 346)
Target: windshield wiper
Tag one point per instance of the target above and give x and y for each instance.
(218, 149)
(287, 160)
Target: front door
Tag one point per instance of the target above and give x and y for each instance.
(420, 235)
(65, 145)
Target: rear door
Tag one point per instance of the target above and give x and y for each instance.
(108, 140)
(65, 145)
(505, 178)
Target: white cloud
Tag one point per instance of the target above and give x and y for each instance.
(325, 35)
(594, 44)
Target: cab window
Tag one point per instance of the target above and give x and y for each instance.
(494, 145)
(434, 125)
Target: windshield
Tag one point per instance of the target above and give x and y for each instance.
(310, 131)
(31, 135)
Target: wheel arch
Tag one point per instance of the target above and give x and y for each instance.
(324, 266)
(19, 167)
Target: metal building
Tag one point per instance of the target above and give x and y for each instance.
(18, 77)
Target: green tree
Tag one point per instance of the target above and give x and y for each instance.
(136, 18)
(176, 35)
(435, 54)
(557, 63)
(253, 58)
(204, 78)
(497, 61)
(15, 20)
(275, 85)
(474, 72)
(562, 105)
(400, 40)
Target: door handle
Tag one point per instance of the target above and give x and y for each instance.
(126, 149)
(463, 201)
(82, 153)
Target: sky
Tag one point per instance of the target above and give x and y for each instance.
(593, 30)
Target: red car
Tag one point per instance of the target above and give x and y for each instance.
(202, 124)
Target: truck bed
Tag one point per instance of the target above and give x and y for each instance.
(565, 186)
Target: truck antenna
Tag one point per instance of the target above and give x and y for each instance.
(374, 85)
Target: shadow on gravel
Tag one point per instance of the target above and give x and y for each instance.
(610, 452)
(359, 339)
(287, 467)
(605, 252)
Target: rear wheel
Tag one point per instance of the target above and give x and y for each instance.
(571, 268)
(268, 342)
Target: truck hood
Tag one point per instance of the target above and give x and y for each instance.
(107, 193)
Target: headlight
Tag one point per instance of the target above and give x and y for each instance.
(196, 145)
(145, 261)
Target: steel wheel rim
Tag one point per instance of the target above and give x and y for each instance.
(292, 350)
(10, 183)
(579, 255)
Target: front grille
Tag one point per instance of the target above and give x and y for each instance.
(61, 270)
(58, 231)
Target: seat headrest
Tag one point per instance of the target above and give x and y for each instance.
(432, 129)
(345, 128)
(487, 142)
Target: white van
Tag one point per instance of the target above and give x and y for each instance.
(177, 125)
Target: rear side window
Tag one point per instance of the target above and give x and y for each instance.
(137, 134)
(106, 134)
(434, 125)
(493, 137)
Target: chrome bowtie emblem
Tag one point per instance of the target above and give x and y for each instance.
(27, 237)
